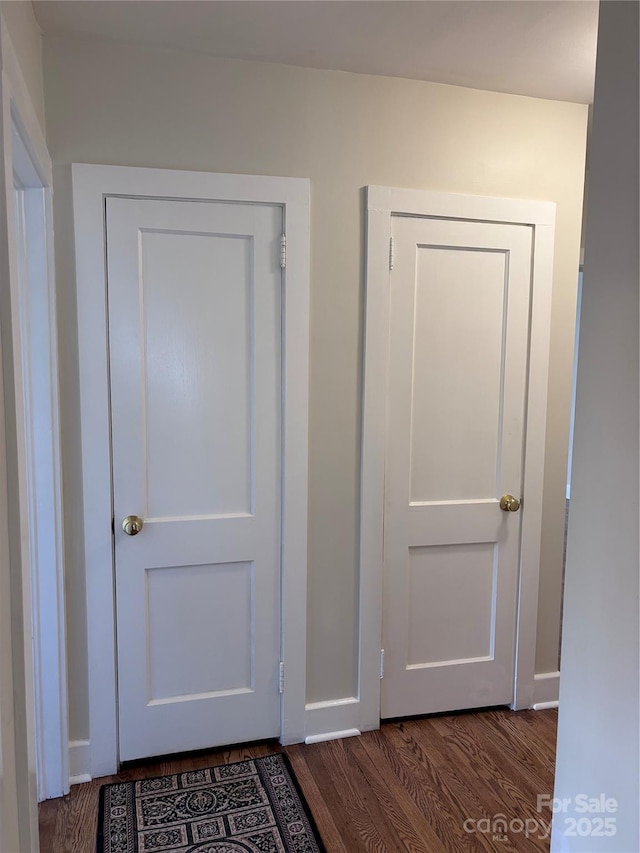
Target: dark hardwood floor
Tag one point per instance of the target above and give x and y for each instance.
(424, 786)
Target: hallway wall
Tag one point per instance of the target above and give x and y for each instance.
(126, 105)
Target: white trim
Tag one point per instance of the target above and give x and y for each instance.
(546, 706)
(332, 736)
(79, 761)
(90, 185)
(331, 703)
(382, 202)
(546, 690)
(459, 206)
(534, 459)
(39, 364)
(333, 715)
(34, 332)
(24, 112)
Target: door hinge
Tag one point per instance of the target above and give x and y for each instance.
(281, 677)
(381, 663)
(113, 526)
(283, 251)
(391, 253)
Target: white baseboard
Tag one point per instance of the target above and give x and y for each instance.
(546, 690)
(324, 719)
(336, 718)
(79, 762)
(545, 706)
(332, 736)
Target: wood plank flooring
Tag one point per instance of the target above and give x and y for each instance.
(430, 785)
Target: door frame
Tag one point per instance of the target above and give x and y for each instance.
(40, 449)
(382, 203)
(91, 185)
(33, 435)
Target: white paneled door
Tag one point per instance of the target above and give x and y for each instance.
(458, 343)
(194, 292)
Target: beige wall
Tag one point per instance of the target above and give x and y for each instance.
(27, 42)
(599, 721)
(18, 811)
(125, 105)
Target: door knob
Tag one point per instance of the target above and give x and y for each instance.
(509, 504)
(132, 525)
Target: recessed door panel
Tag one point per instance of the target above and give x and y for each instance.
(198, 365)
(449, 587)
(200, 624)
(458, 326)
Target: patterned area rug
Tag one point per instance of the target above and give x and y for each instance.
(247, 807)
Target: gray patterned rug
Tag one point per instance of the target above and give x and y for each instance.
(247, 807)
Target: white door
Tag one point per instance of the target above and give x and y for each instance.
(195, 349)
(458, 342)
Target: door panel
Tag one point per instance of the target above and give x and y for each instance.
(201, 322)
(459, 318)
(463, 576)
(458, 327)
(195, 339)
(193, 609)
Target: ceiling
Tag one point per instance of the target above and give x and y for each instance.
(541, 48)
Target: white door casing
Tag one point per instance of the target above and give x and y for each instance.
(194, 335)
(92, 186)
(42, 743)
(383, 203)
(458, 340)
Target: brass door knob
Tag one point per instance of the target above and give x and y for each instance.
(132, 525)
(509, 504)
